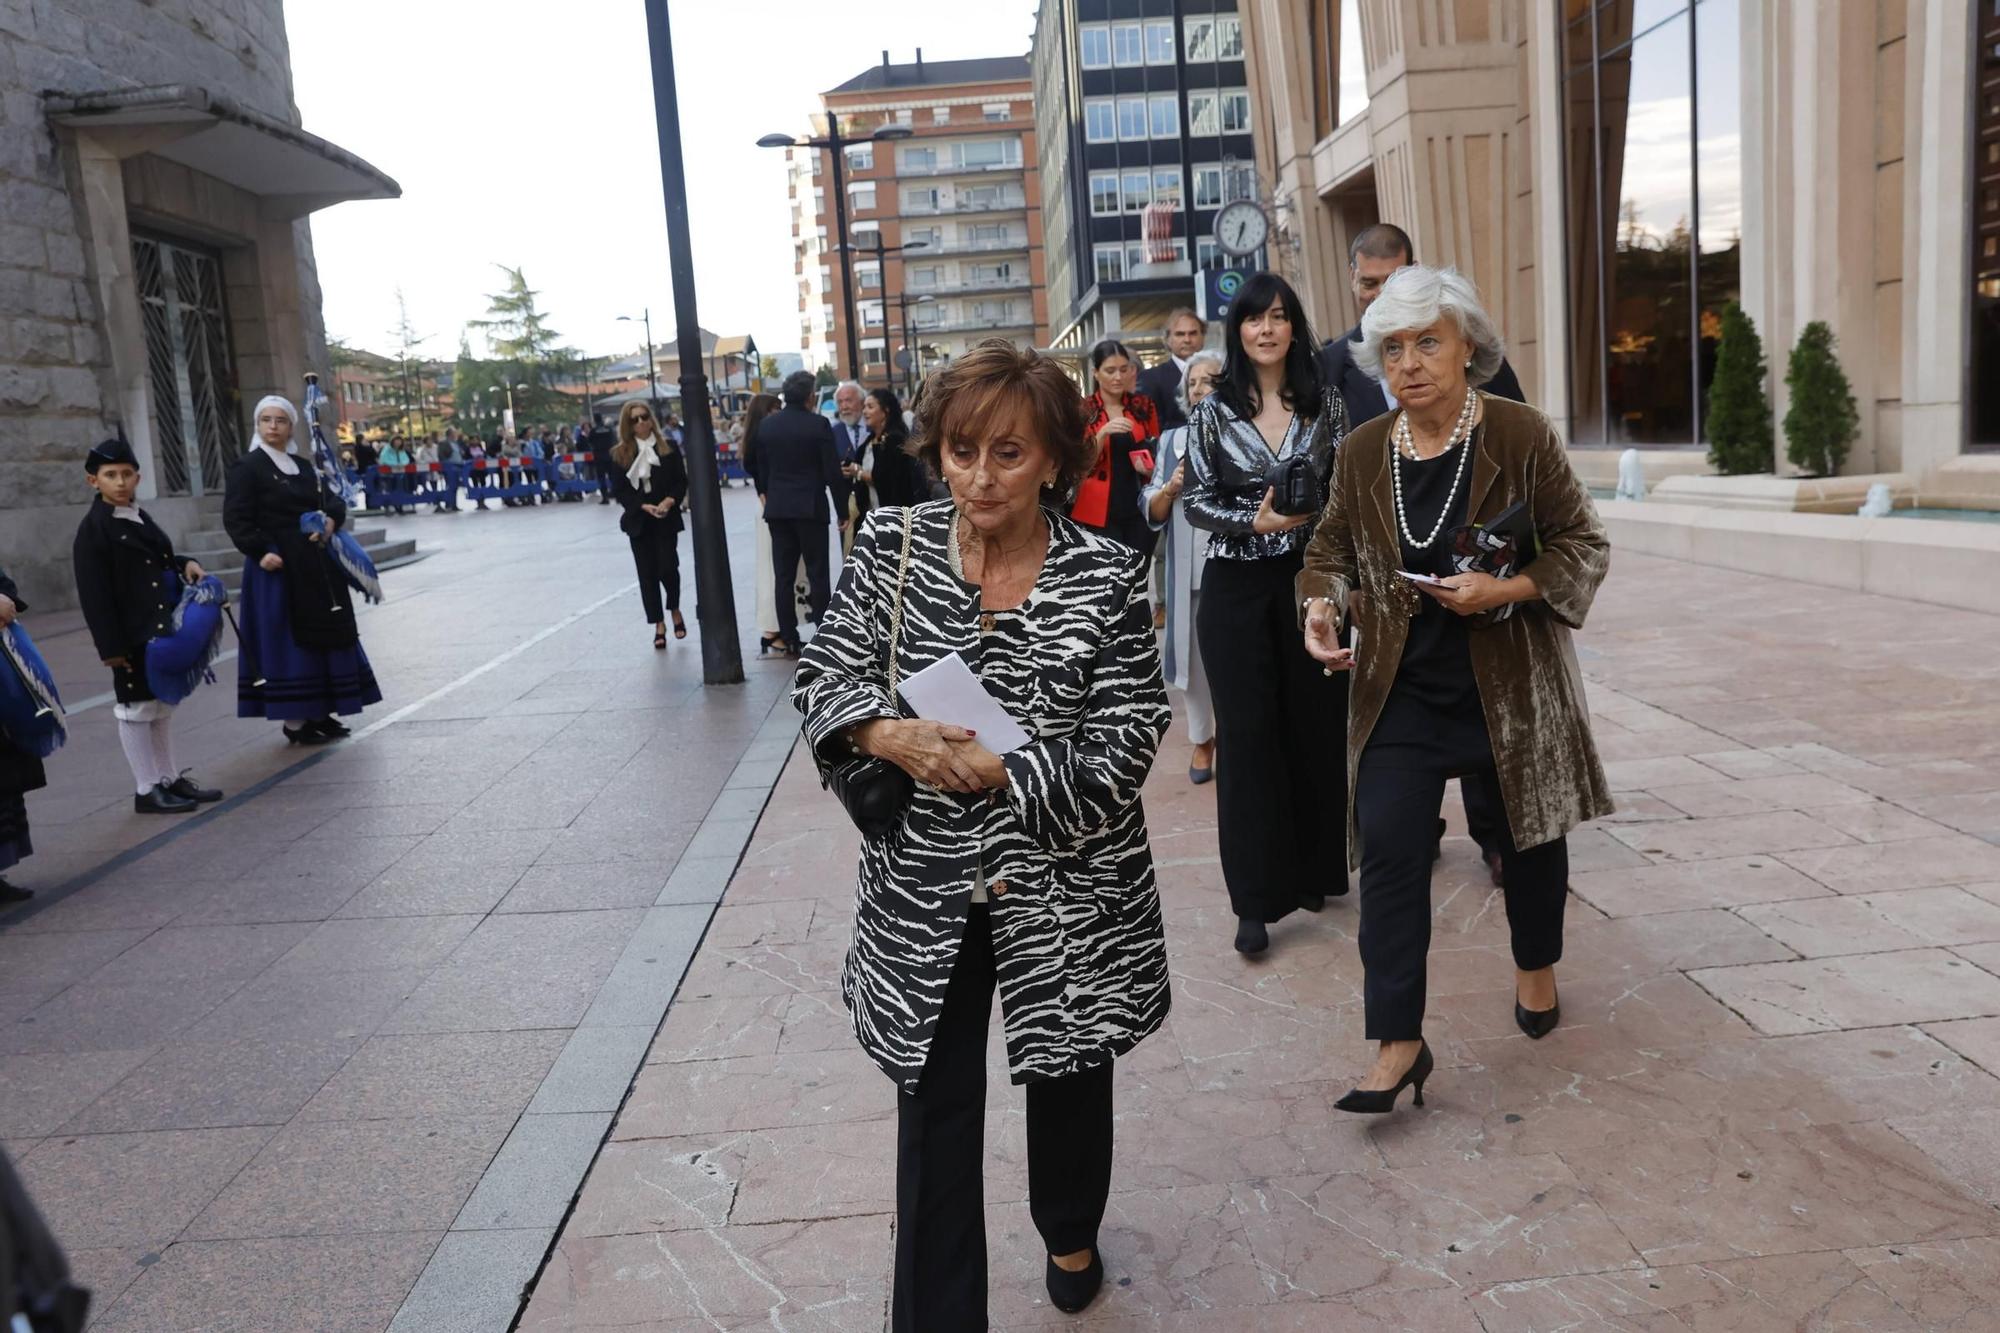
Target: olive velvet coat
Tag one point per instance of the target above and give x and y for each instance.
(1530, 686)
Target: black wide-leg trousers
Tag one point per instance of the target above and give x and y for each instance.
(1280, 740)
(1397, 795)
(792, 540)
(656, 554)
(941, 1148)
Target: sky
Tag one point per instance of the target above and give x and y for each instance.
(527, 138)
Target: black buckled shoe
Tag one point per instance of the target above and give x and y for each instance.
(185, 788)
(330, 728)
(13, 893)
(161, 800)
(1071, 1292)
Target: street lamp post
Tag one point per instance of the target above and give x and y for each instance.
(836, 144)
(652, 370)
(903, 303)
(882, 253)
(715, 599)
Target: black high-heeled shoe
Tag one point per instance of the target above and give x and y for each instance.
(769, 643)
(660, 640)
(1071, 1292)
(680, 626)
(1378, 1101)
(1537, 1023)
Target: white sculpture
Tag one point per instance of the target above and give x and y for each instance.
(1631, 476)
(1879, 502)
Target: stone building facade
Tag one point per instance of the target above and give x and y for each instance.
(156, 266)
(1613, 172)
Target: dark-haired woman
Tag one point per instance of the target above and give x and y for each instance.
(1122, 423)
(1276, 712)
(650, 482)
(763, 405)
(885, 472)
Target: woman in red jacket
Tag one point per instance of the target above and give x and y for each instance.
(1124, 431)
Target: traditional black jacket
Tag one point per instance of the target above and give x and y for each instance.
(127, 580)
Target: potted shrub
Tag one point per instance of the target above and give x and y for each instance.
(1822, 420)
(1738, 413)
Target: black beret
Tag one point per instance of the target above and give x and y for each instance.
(107, 453)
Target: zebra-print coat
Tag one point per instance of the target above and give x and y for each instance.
(1079, 947)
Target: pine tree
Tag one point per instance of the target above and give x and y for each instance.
(1822, 420)
(1738, 415)
(530, 353)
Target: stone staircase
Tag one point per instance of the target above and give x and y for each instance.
(210, 545)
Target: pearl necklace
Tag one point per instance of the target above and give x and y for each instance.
(1462, 432)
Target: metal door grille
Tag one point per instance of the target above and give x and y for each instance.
(196, 431)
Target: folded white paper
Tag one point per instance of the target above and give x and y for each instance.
(947, 691)
(1431, 579)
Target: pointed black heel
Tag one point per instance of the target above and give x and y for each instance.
(1537, 1023)
(1071, 1292)
(1364, 1101)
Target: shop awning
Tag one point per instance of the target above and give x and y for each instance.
(291, 171)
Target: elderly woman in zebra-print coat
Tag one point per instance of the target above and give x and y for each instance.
(1028, 870)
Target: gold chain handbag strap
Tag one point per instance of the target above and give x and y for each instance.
(896, 607)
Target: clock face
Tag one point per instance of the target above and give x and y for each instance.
(1241, 228)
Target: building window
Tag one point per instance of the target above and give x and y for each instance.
(1127, 45)
(1983, 411)
(861, 196)
(819, 202)
(1200, 40)
(1206, 254)
(1164, 113)
(1159, 41)
(1131, 118)
(940, 115)
(1100, 123)
(867, 235)
(1204, 115)
(1109, 260)
(867, 276)
(996, 111)
(920, 199)
(1236, 112)
(906, 116)
(1093, 41)
(1352, 80)
(992, 275)
(1228, 37)
(987, 153)
(1167, 187)
(919, 160)
(990, 234)
(1208, 187)
(1654, 235)
(861, 157)
(922, 279)
(929, 236)
(1103, 194)
(1137, 190)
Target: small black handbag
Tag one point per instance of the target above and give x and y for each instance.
(875, 791)
(1299, 482)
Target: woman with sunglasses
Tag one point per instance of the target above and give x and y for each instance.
(650, 483)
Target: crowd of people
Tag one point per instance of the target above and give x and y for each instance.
(1360, 562)
(535, 460)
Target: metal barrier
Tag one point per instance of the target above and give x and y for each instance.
(416, 485)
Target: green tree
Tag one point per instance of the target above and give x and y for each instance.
(520, 339)
(1822, 421)
(1738, 414)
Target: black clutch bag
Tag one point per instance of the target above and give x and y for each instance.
(1299, 483)
(875, 791)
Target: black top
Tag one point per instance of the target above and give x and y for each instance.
(261, 506)
(896, 476)
(1363, 394)
(669, 477)
(1162, 384)
(123, 572)
(798, 467)
(1436, 671)
(20, 771)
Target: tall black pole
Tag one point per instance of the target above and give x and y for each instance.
(838, 147)
(715, 599)
(652, 364)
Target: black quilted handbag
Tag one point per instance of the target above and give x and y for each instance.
(875, 791)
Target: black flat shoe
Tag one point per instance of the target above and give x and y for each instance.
(1251, 937)
(1537, 1023)
(161, 800)
(331, 729)
(185, 788)
(13, 893)
(306, 734)
(1312, 902)
(1378, 1102)
(1071, 1292)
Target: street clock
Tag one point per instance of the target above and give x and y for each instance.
(1241, 228)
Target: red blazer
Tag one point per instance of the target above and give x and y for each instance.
(1112, 479)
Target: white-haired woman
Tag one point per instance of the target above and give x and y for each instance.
(1469, 674)
(302, 662)
(1184, 557)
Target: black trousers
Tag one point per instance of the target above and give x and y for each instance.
(793, 539)
(941, 1146)
(656, 553)
(1485, 816)
(1280, 740)
(1396, 799)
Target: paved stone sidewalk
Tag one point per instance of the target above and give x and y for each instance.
(344, 1046)
(1772, 1104)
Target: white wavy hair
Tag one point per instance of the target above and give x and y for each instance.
(1419, 296)
(1208, 356)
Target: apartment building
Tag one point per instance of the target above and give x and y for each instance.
(943, 218)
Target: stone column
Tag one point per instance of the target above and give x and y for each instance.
(1935, 206)
(101, 169)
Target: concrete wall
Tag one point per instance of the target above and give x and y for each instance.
(58, 392)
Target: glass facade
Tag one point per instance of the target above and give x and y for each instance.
(1652, 209)
(1983, 411)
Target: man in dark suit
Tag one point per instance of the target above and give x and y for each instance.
(602, 440)
(1374, 254)
(1184, 335)
(801, 488)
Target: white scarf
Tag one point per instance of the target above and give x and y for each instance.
(285, 462)
(642, 462)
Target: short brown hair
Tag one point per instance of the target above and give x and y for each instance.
(996, 373)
